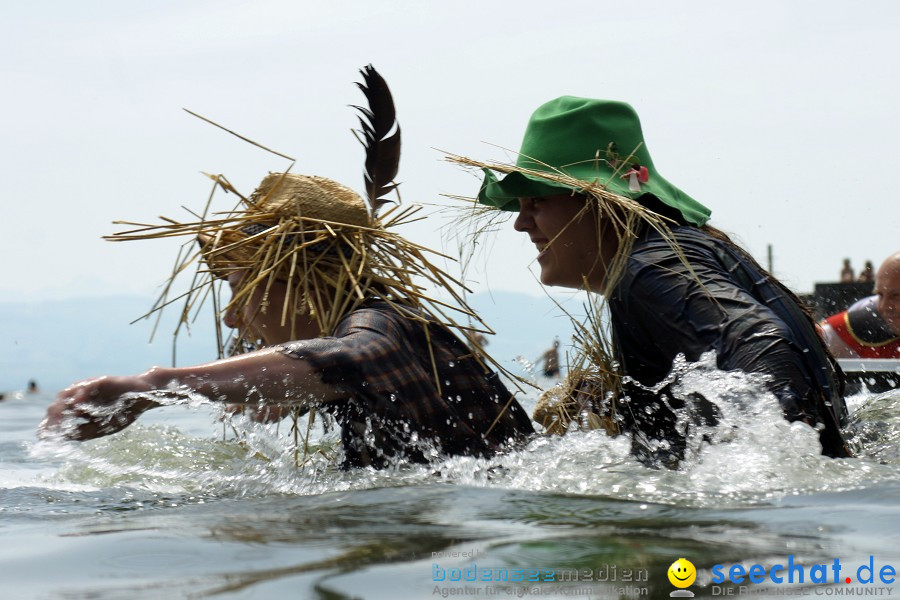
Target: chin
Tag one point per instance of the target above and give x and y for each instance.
(893, 325)
(556, 281)
(547, 278)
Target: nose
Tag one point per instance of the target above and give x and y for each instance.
(525, 219)
(230, 318)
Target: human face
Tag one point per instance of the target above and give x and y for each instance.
(260, 317)
(887, 286)
(566, 233)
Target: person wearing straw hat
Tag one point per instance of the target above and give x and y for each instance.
(603, 218)
(327, 291)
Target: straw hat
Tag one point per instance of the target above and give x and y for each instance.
(290, 206)
(327, 244)
(310, 196)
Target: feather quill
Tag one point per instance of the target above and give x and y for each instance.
(380, 136)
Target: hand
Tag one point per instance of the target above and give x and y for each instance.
(95, 408)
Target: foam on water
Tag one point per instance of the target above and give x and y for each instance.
(753, 456)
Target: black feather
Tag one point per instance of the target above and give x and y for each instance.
(380, 137)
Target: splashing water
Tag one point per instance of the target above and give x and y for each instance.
(752, 456)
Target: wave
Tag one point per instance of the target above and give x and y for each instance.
(753, 456)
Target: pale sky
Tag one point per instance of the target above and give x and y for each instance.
(783, 117)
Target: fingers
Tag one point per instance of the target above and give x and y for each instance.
(51, 423)
(59, 421)
(84, 411)
(68, 419)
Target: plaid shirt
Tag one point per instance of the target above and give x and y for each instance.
(382, 360)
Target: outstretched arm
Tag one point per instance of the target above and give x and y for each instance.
(105, 405)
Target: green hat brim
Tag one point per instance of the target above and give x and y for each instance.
(505, 193)
(597, 143)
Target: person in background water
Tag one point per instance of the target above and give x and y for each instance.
(847, 275)
(550, 359)
(867, 275)
(322, 286)
(870, 328)
(602, 218)
(32, 388)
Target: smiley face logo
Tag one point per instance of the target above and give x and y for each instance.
(682, 573)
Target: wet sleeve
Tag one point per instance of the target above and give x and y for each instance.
(678, 314)
(369, 349)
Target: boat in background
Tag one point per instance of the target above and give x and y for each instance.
(876, 374)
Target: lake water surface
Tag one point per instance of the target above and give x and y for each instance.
(176, 507)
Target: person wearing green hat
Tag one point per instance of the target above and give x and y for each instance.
(604, 219)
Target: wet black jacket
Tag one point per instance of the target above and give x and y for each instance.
(730, 305)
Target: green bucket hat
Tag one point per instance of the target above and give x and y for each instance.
(598, 142)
